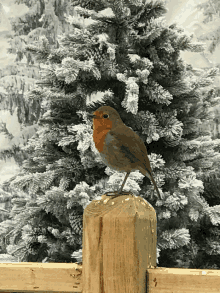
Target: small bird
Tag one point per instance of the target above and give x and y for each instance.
(119, 146)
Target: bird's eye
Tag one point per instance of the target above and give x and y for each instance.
(105, 116)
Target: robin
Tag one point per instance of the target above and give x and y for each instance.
(119, 146)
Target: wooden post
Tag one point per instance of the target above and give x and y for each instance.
(119, 244)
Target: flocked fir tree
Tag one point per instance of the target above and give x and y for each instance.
(124, 51)
(209, 33)
(211, 24)
(43, 18)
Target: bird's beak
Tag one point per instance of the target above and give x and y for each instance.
(91, 115)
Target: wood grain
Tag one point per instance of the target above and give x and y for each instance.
(56, 277)
(119, 244)
(178, 280)
(40, 277)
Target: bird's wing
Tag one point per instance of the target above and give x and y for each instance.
(125, 140)
(130, 144)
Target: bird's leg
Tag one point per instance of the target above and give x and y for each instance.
(123, 183)
(117, 193)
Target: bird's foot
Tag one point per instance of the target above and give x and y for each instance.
(112, 193)
(118, 193)
(125, 193)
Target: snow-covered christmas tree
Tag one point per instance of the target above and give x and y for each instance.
(125, 52)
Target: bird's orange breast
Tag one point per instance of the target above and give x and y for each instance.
(99, 139)
(100, 129)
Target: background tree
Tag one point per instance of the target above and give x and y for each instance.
(44, 18)
(125, 51)
(211, 24)
(208, 31)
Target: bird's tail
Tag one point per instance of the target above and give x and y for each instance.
(148, 174)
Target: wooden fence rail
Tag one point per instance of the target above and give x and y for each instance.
(119, 256)
(57, 277)
(40, 277)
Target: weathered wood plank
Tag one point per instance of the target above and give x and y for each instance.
(180, 280)
(56, 277)
(119, 244)
(40, 277)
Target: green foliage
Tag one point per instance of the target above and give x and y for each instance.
(125, 51)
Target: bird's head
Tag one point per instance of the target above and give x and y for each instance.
(106, 117)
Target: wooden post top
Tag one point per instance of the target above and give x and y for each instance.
(124, 204)
(119, 244)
